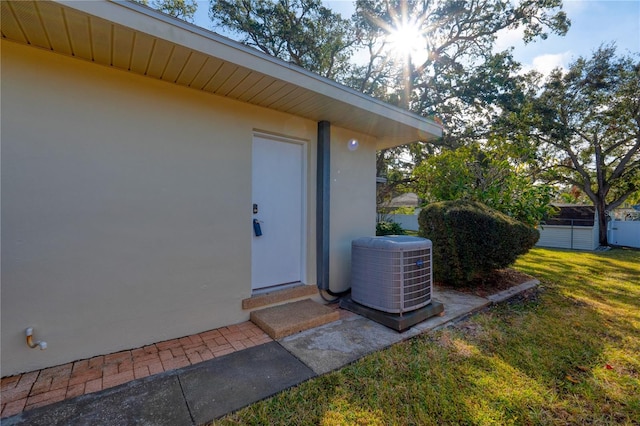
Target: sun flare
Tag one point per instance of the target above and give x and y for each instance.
(408, 41)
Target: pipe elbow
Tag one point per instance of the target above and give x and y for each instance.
(34, 344)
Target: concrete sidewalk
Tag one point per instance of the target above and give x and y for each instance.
(202, 392)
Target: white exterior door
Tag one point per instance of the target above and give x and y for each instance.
(278, 206)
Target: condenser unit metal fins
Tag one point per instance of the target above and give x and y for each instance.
(391, 273)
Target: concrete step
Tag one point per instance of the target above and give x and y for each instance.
(283, 320)
(279, 296)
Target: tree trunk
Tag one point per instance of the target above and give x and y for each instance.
(603, 188)
(602, 222)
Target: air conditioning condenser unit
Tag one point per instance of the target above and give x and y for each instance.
(391, 273)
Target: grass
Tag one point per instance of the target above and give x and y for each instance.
(567, 353)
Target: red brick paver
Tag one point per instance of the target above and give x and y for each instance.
(37, 388)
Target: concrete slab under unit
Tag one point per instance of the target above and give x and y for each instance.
(458, 305)
(397, 322)
(284, 320)
(339, 343)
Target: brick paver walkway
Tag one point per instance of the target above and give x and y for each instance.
(37, 388)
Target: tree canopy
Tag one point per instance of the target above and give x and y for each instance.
(485, 174)
(585, 124)
(450, 70)
(183, 9)
(580, 128)
(452, 41)
(458, 78)
(303, 32)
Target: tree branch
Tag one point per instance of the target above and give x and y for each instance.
(625, 160)
(622, 198)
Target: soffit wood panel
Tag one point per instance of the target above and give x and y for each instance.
(223, 74)
(55, 28)
(123, 44)
(159, 59)
(295, 96)
(28, 17)
(140, 53)
(250, 80)
(10, 26)
(203, 61)
(192, 67)
(176, 63)
(206, 73)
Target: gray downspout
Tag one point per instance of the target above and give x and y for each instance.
(323, 183)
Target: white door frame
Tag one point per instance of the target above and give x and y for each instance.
(303, 195)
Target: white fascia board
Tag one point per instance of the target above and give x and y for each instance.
(174, 30)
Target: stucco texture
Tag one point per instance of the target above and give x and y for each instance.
(126, 207)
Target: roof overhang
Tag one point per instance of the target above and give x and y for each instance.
(135, 38)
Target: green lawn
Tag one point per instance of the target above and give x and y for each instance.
(567, 354)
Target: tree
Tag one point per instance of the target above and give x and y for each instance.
(452, 38)
(450, 72)
(454, 74)
(182, 9)
(486, 175)
(303, 32)
(586, 125)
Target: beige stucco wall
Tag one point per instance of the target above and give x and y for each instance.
(353, 201)
(126, 207)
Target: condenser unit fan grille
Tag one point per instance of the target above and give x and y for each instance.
(391, 274)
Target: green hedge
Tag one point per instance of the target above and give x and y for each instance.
(389, 228)
(470, 239)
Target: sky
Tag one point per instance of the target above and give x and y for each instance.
(593, 23)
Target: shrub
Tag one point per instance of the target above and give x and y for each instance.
(486, 174)
(404, 210)
(389, 228)
(470, 239)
